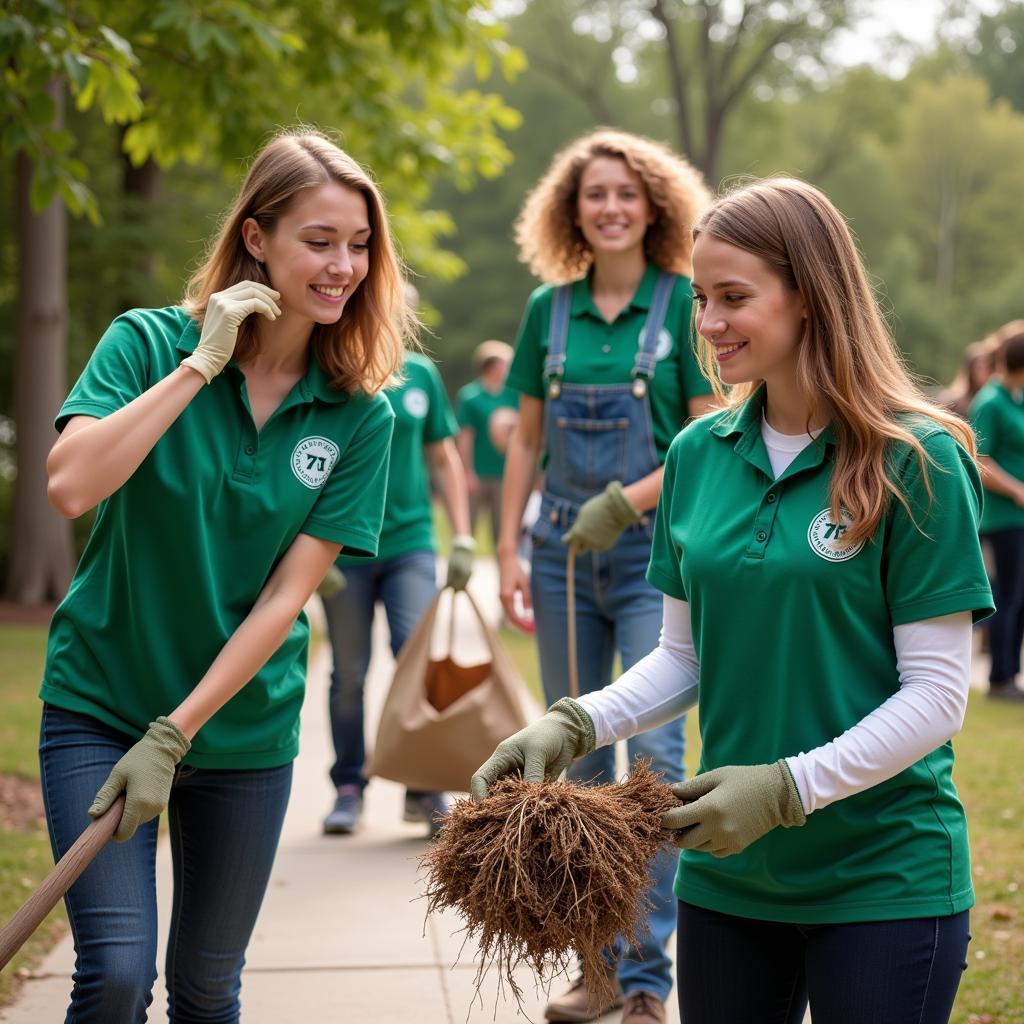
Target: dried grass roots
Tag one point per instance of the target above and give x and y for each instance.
(542, 871)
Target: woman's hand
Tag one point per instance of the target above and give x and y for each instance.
(513, 581)
(144, 774)
(543, 750)
(725, 810)
(225, 312)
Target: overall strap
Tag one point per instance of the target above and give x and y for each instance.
(558, 336)
(645, 355)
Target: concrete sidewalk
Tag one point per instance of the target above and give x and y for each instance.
(342, 935)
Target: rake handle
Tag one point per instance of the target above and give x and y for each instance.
(58, 881)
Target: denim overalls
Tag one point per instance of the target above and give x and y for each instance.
(595, 434)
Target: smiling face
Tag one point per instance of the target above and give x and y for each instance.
(749, 315)
(612, 208)
(318, 252)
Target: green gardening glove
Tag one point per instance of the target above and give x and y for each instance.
(145, 775)
(601, 519)
(333, 583)
(543, 750)
(460, 562)
(725, 810)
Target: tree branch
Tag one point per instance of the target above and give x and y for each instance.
(680, 90)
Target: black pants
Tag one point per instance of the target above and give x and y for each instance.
(736, 970)
(1006, 627)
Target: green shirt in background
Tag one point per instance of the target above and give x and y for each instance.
(794, 636)
(423, 415)
(179, 553)
(476, 405)
(998, 419)
(598, 352)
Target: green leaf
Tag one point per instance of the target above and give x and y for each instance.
(120, 45)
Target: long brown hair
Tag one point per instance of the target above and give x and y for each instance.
(551, 243)
(848, 367)
(364, 349)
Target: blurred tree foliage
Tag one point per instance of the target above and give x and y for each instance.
(926, 167)
(170, 98)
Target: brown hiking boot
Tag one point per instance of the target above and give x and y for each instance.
(643, 1008)
(584, 1002)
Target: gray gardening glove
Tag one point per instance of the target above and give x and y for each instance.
(601, 520)
(460, 562)
(144, 774)
(541, 751)
(333, 583)
(725, 810)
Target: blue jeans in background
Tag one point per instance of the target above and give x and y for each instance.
(1006, 627)
(224, 830)
(616, 610)
(734, 970)
(405, 585)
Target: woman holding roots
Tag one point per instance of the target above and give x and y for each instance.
(233, 445)
(606, 374)
(816, 545)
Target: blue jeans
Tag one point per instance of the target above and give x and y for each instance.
(616, 609)
(733, 970)
(405, 585)
(1006, 627)
(224, 830)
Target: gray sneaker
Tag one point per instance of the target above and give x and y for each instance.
(426, 807)
(344, 817)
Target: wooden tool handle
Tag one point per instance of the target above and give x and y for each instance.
(58, 881)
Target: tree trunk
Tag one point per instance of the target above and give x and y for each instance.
(140, 186)
(42, 558)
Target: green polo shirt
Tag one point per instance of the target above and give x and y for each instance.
(598, 352)
(423, 415)
(180, 552)
(476, 405)
(997, 415)
(794, 636)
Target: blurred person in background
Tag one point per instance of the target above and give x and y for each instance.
(977, 365)
(607, 376)
(402, 577)
(997, 414)
(476, 405)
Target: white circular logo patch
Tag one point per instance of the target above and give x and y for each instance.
(664, 346)
(826, 536)
(416, 402)
(313, 460)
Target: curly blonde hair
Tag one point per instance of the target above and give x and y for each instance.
(546, 232)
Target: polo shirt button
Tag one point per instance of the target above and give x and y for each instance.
(771, 497)
(761, 536)
(249, 450)
(606, 348)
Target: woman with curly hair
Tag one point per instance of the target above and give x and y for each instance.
(607, 377)
(233, 444)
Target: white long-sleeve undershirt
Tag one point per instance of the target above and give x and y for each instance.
(932, 663)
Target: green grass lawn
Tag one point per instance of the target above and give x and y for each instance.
(988, 775)
(24, 854)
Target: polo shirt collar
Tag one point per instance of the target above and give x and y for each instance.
(314, 384)
(744, 423)
(583, 303)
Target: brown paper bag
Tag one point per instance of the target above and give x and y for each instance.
(441, 720)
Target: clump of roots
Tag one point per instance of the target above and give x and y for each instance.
(542, 871)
